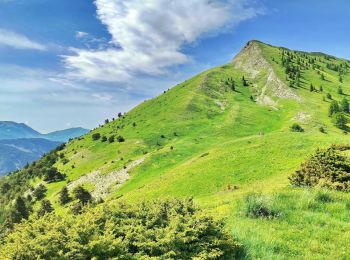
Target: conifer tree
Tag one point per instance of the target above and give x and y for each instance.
(64, 196)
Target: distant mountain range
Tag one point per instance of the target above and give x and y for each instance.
(20, 144)
(13, 130)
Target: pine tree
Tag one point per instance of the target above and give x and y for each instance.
(64, 196)
(340, 91)
(82, 195)
(39, 192)
(20, 211)
(344, 105)
(333, 108)
(340, 120)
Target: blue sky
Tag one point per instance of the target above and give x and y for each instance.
(70, 63)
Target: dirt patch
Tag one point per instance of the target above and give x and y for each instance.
(104, 182)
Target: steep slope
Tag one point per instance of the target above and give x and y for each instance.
(66, 134)
(13, 130)
(217, 141)
(16, 153)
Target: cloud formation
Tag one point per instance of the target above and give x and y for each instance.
(14, 40)
(148, 36)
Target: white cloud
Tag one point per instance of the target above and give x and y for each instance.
(18, 41)
(147, 36)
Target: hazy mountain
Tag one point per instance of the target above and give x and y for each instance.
(65, 135)
(13, 130)
(16, 153)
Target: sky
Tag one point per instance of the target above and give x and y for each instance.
(68, 63)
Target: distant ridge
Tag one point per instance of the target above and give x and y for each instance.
(13, 130)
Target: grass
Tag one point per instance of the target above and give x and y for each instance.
(224, 147)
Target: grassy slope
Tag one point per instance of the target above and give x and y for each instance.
(244, 144)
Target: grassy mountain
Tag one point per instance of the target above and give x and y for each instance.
(16, 153)
(225, 138)
(66, 134)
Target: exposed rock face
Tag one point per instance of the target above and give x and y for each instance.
(251, 61)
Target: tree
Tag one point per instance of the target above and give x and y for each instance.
(333, 108)
(52, 174)
(40, 192)
(344, 105)
(340, 120)
(45, 207)
(340, 91)
(120, 114)
(329, 96)
(312, 88)
(104, 139)
(82, 195)
(323, 77)
(244, 81)
(296, 128)
(106, 121)
(64, 197)
(96, 136)
(321, 88)
(111, 139)
(19, 211)
(120, 139)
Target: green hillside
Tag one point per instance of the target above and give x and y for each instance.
(219, 137)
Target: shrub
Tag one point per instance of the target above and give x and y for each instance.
(296, 128)
(45, 207)
(170, 229)
(111, 139)
(64, 196)
(326, 168)
(103, 139)
(258, 206)
(120, 139)
(340, 120)
(96, 136)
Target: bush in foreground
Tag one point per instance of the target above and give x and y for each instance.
(326, 168)
(170, 229)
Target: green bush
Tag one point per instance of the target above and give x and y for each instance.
(296, 128)
(96, 136)
(259, 206)
(326, 168)
(170, 229)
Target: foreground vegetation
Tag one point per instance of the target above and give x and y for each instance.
(171, 229)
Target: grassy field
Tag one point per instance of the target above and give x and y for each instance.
(203, 140)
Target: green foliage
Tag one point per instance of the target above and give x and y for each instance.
(326, 168)
(333, 108)
(329, 96)
(82, 195)
(340, 120)
(170, 229)
(340, 91)
(344, 105)
(120, 139)
(296, 128)
(111, 139)
(104, 139)
(40, 192)
(259, 206)
(64, 197)
(96, 136)
(45, 207)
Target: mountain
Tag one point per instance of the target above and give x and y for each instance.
(13, 130)
(65, 135)
(229, 138)
(16, 153)
(20, 144)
